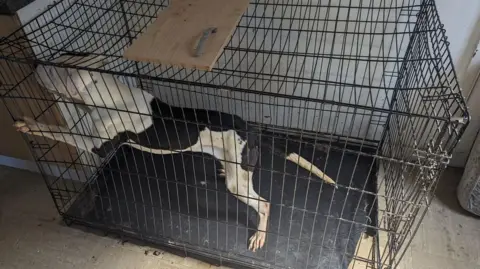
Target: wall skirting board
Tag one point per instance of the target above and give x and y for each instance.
(48, 169)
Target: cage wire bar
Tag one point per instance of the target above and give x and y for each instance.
(365, 90)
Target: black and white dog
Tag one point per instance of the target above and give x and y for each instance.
(119, 115)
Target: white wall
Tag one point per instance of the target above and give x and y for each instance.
(30, 11)
(462, 23)
(459, 18)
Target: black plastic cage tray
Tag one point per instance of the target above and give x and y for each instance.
(312, 225)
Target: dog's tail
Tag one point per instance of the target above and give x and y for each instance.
(255, 134)
(280, 149)
(305, 164)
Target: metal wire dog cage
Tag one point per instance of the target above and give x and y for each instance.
(365, 90)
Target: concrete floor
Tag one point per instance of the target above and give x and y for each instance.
(33, 236)
(448, 237)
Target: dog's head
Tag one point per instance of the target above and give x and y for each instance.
(69, 82)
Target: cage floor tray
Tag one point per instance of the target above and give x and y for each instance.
(312, 225)
(189, 33)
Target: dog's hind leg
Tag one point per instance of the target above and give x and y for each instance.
(62, 134)
(239, 183)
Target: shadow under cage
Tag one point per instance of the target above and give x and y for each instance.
(346, 113)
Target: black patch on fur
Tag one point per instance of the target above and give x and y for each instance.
(251, 151)
(249, 158)
(177, 128)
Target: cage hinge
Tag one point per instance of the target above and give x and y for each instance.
(433, 159)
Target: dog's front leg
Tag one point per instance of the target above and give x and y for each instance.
(62, 134)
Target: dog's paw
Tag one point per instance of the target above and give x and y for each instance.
(21, 126)
(257, 241)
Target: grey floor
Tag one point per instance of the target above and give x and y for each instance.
(33, 236)
(448, 238)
